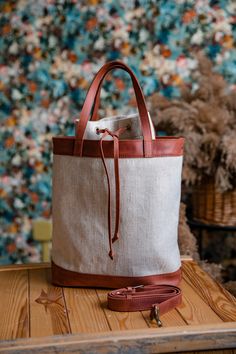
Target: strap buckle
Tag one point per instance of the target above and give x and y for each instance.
(155, 315)
(138, 286)
(132, 289)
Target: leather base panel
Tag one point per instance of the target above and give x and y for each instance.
(63, 277)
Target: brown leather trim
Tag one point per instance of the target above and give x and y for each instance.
(63, 277)
(162, 146)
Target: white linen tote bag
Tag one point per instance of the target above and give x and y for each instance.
(116, 196)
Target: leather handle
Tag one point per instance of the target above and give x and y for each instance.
(90, 99)
(94, 115)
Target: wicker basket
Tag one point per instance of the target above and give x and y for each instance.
(210, 206)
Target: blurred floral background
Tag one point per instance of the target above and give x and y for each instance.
(50, 51)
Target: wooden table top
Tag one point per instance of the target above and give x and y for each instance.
(36, 317)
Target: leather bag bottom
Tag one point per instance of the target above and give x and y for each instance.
(64, 277)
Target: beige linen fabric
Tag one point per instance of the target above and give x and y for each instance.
(131, 121)
(150, 197)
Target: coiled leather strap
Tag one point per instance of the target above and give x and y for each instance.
(158, 298)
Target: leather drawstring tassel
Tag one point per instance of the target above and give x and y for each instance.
(115, 136)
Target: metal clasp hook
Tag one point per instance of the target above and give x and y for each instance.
(155, 315)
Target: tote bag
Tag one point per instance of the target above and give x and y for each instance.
(115, 200)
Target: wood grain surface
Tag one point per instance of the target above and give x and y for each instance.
(48, 313)
(85, 313)
(212, 293)
(14, 305)
(142, 341)
(38, 317)
(194, 309)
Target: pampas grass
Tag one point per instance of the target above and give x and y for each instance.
(188, 246)
(206, 118)
(187, 241)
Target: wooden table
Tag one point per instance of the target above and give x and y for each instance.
(36, 317)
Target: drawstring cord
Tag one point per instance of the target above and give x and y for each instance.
(115, 135)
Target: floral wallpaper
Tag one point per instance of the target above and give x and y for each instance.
(50, 51)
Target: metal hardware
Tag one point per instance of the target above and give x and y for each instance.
(138, 286)
(97, 131)
(155, 315)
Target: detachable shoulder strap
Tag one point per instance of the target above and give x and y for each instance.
(158, 298)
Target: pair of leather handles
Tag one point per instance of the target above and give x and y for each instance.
(158, 298)
(92, 100)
